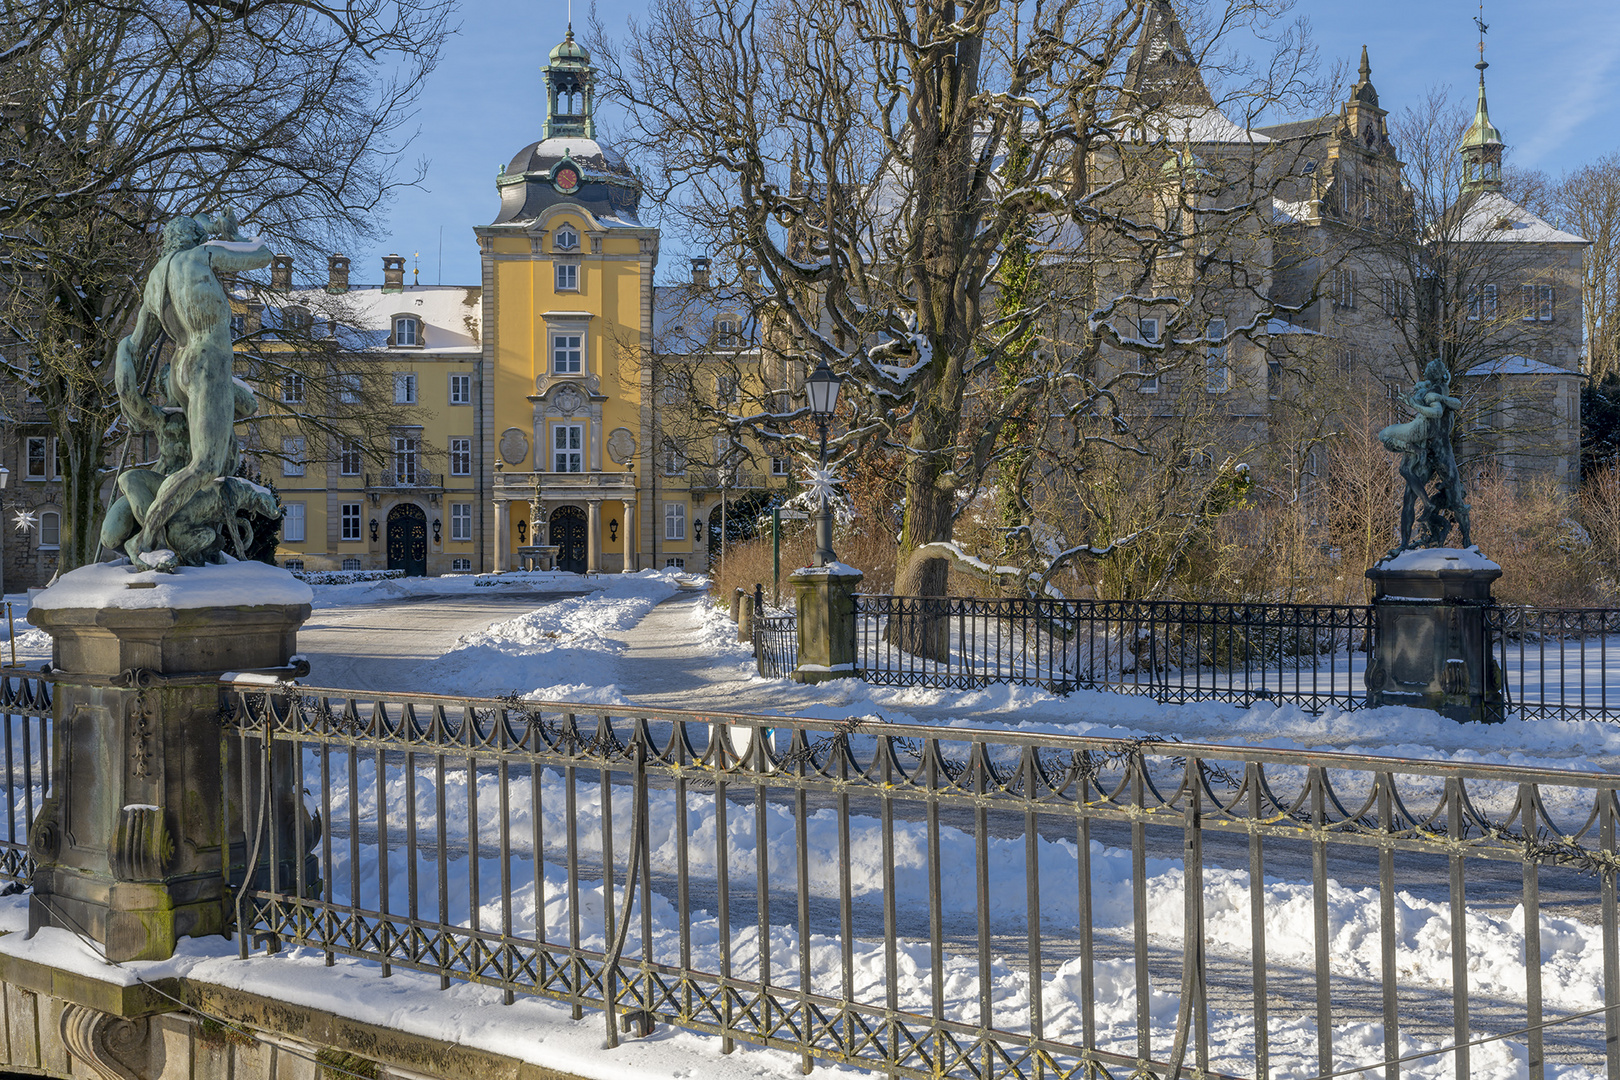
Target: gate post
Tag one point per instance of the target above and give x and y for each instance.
(137, 845)
(825, 598)
(1429, 645)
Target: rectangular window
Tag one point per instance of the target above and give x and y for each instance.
(673, 563)
(567, 277)
(1344, 289)
(461, 521)
(567, 351)
(405, 332)
(461, 457)
(292, 388)
(725, 332)
(780, 466)
(1217, 377)
(1473, 306)
(349, 389)
(350, 518)
(292, 522)
(349, 457)
(725, 389)
(1490, 301)
(460, 564)
(674, 460)
(405, 388)
(568, 448)
(1148, 329)
(1544, 309)
(238, 326)
(674, 521)
(39, 462)
(292, 455)
(351, 564)
(1395, 299)
(50, 529)
(461, 389)
(405, 455)
(293, 564)
(1274, 376)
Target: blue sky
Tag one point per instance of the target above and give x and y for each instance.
(1554, 87)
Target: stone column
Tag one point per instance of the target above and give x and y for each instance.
(593, 536)
(1430, 650)
(630, 566)
(826, 603)
(143, 835)
(503, 535)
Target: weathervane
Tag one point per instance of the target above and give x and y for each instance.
(1479, 21)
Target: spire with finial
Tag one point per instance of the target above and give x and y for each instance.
(1481, 148)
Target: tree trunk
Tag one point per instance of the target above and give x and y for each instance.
(82, 511)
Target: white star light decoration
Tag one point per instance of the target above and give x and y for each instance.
(24, 520)
(823, 485)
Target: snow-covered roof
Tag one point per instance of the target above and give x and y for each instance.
(451, 315)
(1495, 218)
(1516, 365)
(1283, 326)
(685, 318)
(1286, 212)
(1195, 124)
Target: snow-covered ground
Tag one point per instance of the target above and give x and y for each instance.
(591, 648)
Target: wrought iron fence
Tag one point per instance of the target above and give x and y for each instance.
(1556, 662)
(25, 704)
(1311, 654)
(776, 644)
(946, 902)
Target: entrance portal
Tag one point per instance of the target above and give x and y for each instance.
(568, 536)
(407, 540)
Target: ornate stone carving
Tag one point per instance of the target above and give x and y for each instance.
(45, 835)
(514, 446)
(1425, 446)
(568, 400)
(113, 1048)
(621, 445)
(143, 849)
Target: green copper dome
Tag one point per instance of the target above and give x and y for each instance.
(570, 50)
(1483, 132)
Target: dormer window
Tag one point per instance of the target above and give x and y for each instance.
(725, 332)
(297, 320)
(567, 239)
(407, 331)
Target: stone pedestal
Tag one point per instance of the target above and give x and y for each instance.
(141, 839)
(826, 606)
(1430, 648)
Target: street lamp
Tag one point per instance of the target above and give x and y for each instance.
(822, 386)
(5, 478)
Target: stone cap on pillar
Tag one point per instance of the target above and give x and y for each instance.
(832, 571)
(1435, 574)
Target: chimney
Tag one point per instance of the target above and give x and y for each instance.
(337, 273)
(393, 273)
(700, 272)
(281, 272)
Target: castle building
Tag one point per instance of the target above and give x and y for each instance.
(538, 423)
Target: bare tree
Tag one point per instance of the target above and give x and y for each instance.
(1587, 202)
(117, 117)
(878, 162)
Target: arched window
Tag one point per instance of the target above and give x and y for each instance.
(50, 530)
(567, 239)
(407, 331)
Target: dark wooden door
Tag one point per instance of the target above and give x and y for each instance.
(407, 540)
(568, 536)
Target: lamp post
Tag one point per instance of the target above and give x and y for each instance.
(822, 387)
(5, 478)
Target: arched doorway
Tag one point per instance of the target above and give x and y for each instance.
(407, 540)
(568, 537)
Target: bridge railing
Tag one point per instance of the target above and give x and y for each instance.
(25, 727)
(945, 902)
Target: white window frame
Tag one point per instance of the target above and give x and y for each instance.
(460, 522)
(349, 388)
(1545, 306)
(674, 562)
(460, 564)
(351, 563)
(1491, 309)
(461, 455)
(293, 448)
(292, 522)
(1217, 370)
(567, 238)
(351, 458)
(44, 444)
(50, 521)
(567, 352)
(292, 388)
(727, 334)
(1344, 288)
(674, 521)
(351, 514)
(460, 389)
(566, 277)
(674, 461)
(564, 455)
(407, 458)
(727, 389)
(404, 388)
(781, 466)
(407, 332)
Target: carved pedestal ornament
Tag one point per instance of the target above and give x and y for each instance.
(114, 1048)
